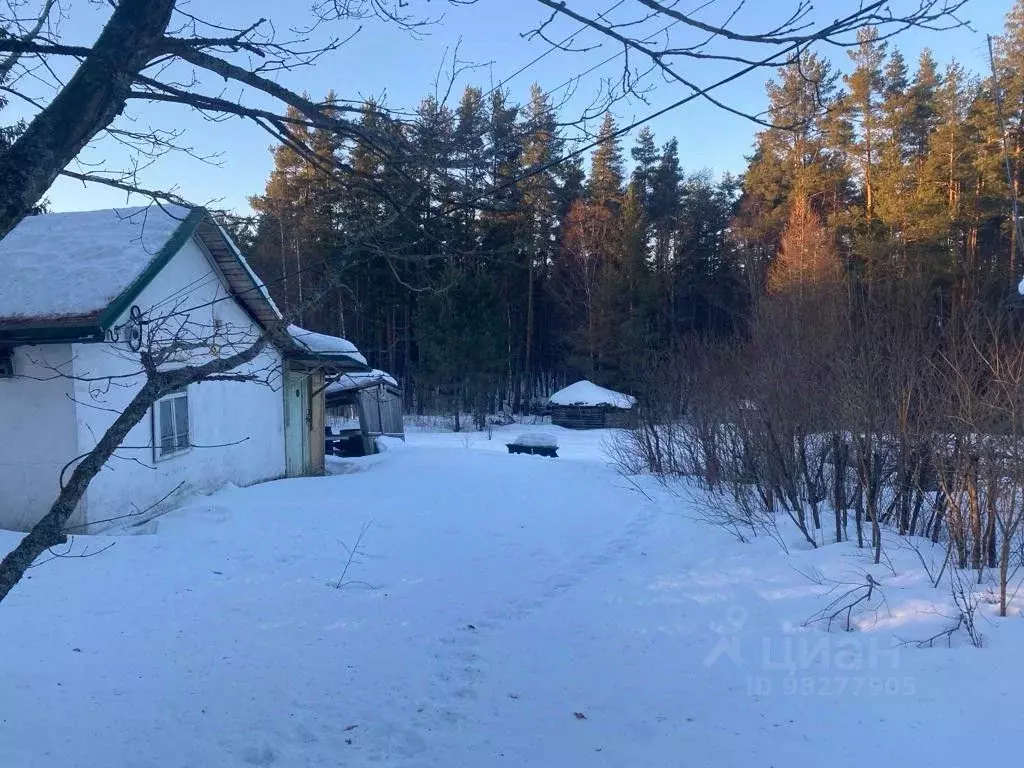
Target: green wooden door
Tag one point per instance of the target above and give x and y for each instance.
(296, 427)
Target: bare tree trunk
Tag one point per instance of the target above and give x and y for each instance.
(528, 351)
(1004, 574)
(298, 280)
(90, 101)
(991, 516)
(858, 505)
(839, 502)
(284, 264)
(937, 516)
(974, 509)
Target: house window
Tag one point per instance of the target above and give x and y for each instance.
(170, 425)
(6, 362)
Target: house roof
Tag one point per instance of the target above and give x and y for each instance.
(70, 276)
(67, 269)
(587, 394)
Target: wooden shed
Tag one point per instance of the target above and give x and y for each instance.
(585, 405)
(360, 408)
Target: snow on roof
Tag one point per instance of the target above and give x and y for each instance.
(322, 344)
(65, 265)
(360, 380)
(587, 393)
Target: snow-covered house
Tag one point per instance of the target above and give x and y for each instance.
(585, 405)
(80, 295)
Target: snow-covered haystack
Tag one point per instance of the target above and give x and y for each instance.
(585, 405)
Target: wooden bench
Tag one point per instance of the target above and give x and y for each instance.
(534, 445)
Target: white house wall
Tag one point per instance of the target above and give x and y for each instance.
(38, 420)
(244, 420)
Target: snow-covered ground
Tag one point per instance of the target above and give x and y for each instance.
(500, 610)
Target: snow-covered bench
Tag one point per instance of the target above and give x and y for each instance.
(538, 444)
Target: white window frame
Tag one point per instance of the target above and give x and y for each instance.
(159, 454)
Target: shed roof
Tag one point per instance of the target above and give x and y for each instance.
(587, 394)
(322, 345)
(355, 381)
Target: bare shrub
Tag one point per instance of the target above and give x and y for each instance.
(849, 600)
(851, 396)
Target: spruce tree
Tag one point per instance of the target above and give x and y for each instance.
(663, 203)
(645, 164)
(604, 185)
(470, 169)
(541, 145)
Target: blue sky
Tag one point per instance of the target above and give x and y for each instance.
(384, 62)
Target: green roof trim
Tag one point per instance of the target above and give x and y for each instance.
(174, 243)
(35, 334)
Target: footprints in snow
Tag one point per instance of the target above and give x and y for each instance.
(460, 666)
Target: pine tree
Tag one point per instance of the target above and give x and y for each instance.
(433, 149)
(922, 95)
(319, 280)
(866, 84)
(802, 157)
(895, 173)
(1010, 73)
(949, 170)
(282, 207)
(918, 202)
(501, 221)
(625, 330)
(589, 247)
(377, 260)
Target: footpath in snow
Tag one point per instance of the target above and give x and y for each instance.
(499, 610)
